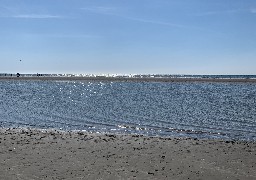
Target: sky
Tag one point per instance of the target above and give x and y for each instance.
(128, 36)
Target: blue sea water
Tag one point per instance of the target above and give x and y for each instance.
(192, 109)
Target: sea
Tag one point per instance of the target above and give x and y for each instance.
(212, 110)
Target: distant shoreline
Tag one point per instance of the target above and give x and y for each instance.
(129, 79)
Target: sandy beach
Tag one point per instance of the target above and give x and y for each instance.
(51, 154)
(127, 79)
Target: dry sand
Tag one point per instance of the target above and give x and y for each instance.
(122, 79)
(37, 154)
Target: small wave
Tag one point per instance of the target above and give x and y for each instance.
(168, 130)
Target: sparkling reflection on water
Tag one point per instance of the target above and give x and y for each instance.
(206, 110)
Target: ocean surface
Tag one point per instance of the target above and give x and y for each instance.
(192, 109)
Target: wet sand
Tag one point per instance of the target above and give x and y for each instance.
(124, 79)
(41, 154)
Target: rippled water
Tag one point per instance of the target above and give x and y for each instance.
(204, 110)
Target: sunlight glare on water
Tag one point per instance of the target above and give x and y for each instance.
(211, 110)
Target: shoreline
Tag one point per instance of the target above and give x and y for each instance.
(52, 154)
(124, 79)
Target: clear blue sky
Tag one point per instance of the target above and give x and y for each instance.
(128, 36)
